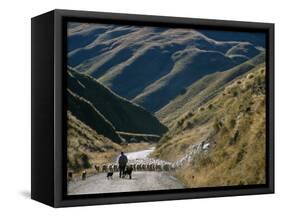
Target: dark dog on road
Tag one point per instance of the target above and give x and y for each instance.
(128, 171)
(109, 175)
(70, 175)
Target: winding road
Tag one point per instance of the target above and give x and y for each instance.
(141, 180)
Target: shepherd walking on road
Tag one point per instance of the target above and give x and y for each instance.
(122, 161)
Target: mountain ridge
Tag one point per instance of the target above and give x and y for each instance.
(130, 60)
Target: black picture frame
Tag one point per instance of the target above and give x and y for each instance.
(48, 148)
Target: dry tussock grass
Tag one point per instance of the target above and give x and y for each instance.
(87, 148)
(236, 125)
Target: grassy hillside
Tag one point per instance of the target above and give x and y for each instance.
(152, 65)
(190, 65)
(85, 147)
(203, 90)
(233, 122)
(122, 114)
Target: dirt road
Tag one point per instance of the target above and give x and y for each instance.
(141, 180)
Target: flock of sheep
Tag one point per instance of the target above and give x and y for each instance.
(136, 167)
(149, 164)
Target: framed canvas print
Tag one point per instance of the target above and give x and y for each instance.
(133, 108)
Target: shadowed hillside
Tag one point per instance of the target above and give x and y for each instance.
(152, 65)
(121, 114)
(87, 113)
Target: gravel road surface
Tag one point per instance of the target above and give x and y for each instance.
(141, 180)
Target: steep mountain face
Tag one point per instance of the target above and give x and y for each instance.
(118, 112)
(203, 90)
(151, 65)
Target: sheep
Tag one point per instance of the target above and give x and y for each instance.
(97, 168)
(115, 168)
(158, 167)
(104, 168)
(84, 175)
(138, 167)
(110, 167)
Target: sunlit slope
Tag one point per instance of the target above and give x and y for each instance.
(233, 123)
